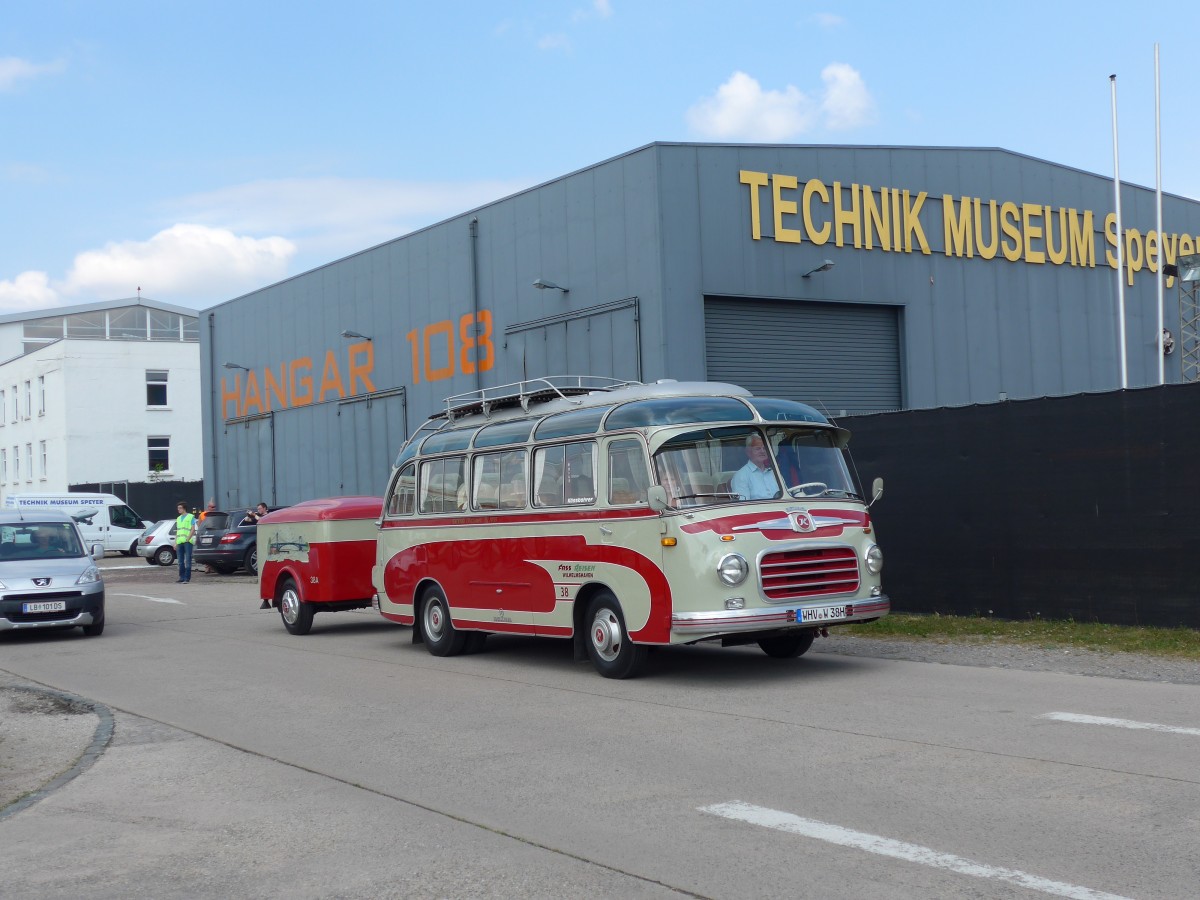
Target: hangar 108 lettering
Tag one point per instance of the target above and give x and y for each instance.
(437, 340)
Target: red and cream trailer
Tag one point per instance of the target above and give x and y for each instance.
(623, 516)
(317, 556)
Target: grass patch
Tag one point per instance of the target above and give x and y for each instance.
(1180, 643)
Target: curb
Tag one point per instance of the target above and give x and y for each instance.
(100, 739)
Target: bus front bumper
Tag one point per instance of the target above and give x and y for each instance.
(693, 625)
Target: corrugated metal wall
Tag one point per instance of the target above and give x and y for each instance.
(844, 358)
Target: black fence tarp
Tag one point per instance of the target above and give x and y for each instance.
(1061, 508)
(150, 500)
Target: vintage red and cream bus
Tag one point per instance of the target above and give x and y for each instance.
(624, 516)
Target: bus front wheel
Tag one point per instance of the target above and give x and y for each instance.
(608, 644)
(788, 646)
(441, 637)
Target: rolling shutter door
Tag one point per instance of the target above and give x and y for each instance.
(843, 357)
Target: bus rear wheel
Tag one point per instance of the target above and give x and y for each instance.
(608, 644)
(441, 637)
(788, 646)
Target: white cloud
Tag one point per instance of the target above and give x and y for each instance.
(212, 256)
(600, 9)
(190, 264)
(331, 217)
(828, 20)
(554, 42)
(14, 70)
(847, 102)
(741, 110)
(29, 290)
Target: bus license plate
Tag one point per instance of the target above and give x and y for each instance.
(820, 613)
(44, 606)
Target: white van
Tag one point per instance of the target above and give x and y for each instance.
(103, 518)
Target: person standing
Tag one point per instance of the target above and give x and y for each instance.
(185, 539)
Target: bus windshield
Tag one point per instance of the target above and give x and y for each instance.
(734, 464)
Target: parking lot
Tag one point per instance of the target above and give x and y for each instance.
(351, 763)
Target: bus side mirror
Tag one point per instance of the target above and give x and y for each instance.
(876, 490)
(656, 495)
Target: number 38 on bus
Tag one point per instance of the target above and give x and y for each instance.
(625, 516)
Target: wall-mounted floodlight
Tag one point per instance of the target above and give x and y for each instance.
(1189, 267)
(823, 267)
(542, 284)
(354, 334)
(236, 366)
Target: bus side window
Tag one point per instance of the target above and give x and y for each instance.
(440, 479)
(565, 475)
(628, 476)
(402, 502)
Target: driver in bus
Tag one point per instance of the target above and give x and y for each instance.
(756, 479)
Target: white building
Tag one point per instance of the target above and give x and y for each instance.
(103, 393)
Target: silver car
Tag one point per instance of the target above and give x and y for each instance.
(48, 576)
(157, 543)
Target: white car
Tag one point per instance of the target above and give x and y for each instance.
(157, 543)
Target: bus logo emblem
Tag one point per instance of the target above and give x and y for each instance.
(803, 522)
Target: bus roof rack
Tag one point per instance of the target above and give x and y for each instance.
(522, 393)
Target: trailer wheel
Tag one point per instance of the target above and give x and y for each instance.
(297, 615)
(441, 637)
(608, 644)
(788, 646)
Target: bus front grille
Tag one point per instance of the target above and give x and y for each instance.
(789, 574)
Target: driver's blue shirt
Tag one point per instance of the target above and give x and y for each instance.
(752, 483)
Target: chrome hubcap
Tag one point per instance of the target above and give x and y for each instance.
(289, 606)
(606, 635)
(435, 620)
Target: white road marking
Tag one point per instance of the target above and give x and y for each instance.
(1118, 723)
(152, 599)
(859, 840)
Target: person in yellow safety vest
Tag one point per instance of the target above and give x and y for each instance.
(185, 539)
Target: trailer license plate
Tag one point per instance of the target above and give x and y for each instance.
(44, 606)
(820, 613)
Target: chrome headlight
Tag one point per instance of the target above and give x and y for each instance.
(873, 559)
(733, 569)
(90, 576)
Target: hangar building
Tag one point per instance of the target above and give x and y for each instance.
(859, 279)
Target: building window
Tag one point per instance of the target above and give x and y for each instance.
(3, 397)
(156, 388)
(42, 465)
(41, 395)
(29, 462)
(4, 466)
(16, 463)
(28, 400)
(16, 403)
(158, 450)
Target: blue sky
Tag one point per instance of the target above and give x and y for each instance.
(201, 150)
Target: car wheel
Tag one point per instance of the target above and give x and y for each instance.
(788, 646)
(150, 560)
(296, 613)
(608, 644)
(164, 556)
(132, 551)
(250, 563)
(96, 628)
(441, 637)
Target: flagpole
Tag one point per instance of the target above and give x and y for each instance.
(1162, 360)
(1120, 241)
